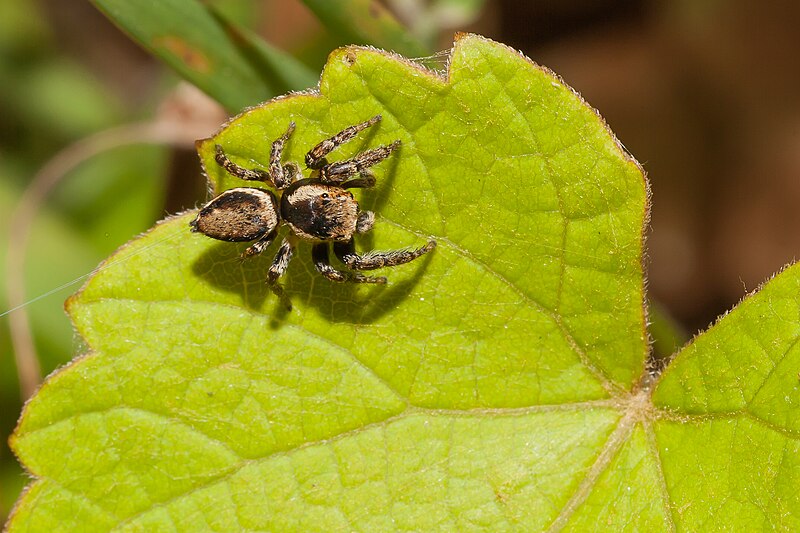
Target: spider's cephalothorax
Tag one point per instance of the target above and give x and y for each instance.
(319, 209)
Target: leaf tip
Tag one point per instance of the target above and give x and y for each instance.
(464, 35)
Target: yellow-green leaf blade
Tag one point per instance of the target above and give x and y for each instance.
(385, 478)
(505, 353)
(745, 364)
(729, 441)
(730, 473)
(526, 186)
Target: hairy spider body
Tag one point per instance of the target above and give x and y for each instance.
(319, 209)
(318, 212)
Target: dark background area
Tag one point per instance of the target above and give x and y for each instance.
(705, 94)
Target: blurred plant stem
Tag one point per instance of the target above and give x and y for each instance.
(174, 129)
(367, 22)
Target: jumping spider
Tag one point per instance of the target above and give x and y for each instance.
(318, 209)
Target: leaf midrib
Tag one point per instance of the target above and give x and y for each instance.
(614, 443)
(630, 417)
(635, 409)
(244, 462)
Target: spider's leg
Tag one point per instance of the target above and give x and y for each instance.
(342, 170)
(278, 267)
(282, 175)
(315, 158)
(323, 265)
(346, 252)
(255, 174)
(365, 181)
(260, 245)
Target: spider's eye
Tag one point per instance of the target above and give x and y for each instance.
(324, 196)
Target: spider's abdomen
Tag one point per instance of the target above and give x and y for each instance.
(237, 215)
(319, 212)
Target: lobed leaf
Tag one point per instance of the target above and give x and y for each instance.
(499, 383)
(730, 442)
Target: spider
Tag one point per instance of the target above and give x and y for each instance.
(318, 209)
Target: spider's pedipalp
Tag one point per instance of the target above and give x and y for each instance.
(365, 222)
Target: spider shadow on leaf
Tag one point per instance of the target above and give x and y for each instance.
(223, 269)
(351, 303)
(375, 198)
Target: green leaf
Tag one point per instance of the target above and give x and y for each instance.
(731, 428)
(280, 71)
(499, 383)
(203, 50)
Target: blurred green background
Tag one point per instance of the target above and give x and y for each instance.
(705, 94)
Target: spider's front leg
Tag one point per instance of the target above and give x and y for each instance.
(346, 252)
(343, 170)
(323, 265)
(315, 158)
(279, 176)
(364, 181)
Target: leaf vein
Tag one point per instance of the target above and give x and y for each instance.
(652, 446)
(136, 409)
